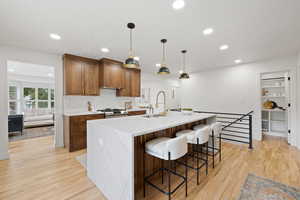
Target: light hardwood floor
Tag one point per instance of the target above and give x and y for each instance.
(36, 170)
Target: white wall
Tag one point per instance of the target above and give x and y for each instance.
(236, 89)
(28, 56)
(3, 109)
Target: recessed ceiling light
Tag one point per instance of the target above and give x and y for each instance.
(55, 36)
(105, 50)
(181, 71)
(50, 74)
(237, 61)
(158, 65)
(224, 47)
(11, 70)
(208, 31)
(178, 4)
(136, 58)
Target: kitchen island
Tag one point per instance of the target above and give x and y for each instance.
(115, 150)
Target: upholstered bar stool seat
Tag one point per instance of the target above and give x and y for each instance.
(166, 149)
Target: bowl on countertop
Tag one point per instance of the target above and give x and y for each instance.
(187, 111)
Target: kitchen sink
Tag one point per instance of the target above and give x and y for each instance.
(153, 116)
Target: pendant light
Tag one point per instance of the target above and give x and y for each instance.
(163, 67)
(131, 62)
(184, 75)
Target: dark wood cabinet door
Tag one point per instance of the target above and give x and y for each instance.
(73, 79)
(135, 85)
(91, 79)
(126, 90)
(111, 74)
(77, 133)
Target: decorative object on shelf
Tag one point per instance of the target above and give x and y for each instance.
(271, 105)
(128, 105)
(187, 111)
(265, 92)
(90, 106)
(184, 75)
(163, 66)
(131, 62)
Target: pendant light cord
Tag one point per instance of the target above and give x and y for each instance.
(164, 54)
(130, 51)
(183, 62)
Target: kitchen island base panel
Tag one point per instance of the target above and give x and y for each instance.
(115, 150)
(109, 162)
(151, 163)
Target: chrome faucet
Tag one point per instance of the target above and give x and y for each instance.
(164, 94)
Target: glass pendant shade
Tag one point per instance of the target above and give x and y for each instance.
(184, 75)
(163, 69)
(130, 62)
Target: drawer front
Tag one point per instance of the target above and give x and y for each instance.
(139, 112)
(93, 117)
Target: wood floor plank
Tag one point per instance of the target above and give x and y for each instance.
(37, 170)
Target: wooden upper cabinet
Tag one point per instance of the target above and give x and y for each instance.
(135, 83)
(81, 76)
(111, 74)
(73, 79)
(132, 83)
(91, 78)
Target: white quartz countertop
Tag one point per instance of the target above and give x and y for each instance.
(95, 113)
(82, 113)
(139, 125)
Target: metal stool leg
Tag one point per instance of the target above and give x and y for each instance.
(144, 173)
(206, 159)
(220, 147)
(186, 175)
(162, 172)
(169, 173)
(213, 148)
(198, 162)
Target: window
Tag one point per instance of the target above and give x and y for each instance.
(12, 92)
(29, 98)
(52, 98)
(43, 97)
(12, 99)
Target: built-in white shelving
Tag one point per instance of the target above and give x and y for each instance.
(275, 88)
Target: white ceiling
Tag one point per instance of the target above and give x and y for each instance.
(254, 30)
(30, 70)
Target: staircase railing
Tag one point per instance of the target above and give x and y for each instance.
(236, 127)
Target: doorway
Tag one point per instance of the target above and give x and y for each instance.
(31, 100)
(276, 104)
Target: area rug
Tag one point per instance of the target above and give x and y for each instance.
(258, 188)
(82, 160)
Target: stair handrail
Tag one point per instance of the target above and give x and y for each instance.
(239, 119)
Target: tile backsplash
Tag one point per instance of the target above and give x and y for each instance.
(107, 99)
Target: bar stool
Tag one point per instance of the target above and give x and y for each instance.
(166, 149)
(216, 133)
(199, 138)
